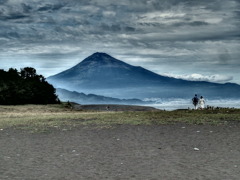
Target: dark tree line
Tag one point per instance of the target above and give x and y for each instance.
(25, 87)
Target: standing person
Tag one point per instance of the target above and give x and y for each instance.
(201, 102)
(195, 101)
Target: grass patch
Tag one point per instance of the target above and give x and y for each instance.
(44, 117)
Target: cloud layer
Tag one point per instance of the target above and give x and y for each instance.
(165, 36)
(199, 77)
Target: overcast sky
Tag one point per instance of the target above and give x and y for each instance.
(190, 39)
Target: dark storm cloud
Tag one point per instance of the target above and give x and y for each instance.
(113, 28)
(26, 8)
(55, 55)
(7, 13)
(150, 33)
(51, 7)
(129, 29)
(3, 1)
(13, 16)
(194, 23)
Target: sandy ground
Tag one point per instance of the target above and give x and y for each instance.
(123, 152)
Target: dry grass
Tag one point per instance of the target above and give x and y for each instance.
(45, 117)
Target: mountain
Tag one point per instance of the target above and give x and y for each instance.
(102, 74)
(81, 98)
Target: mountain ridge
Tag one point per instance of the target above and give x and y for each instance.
(95, 66)
(102, 74)
(83, 98)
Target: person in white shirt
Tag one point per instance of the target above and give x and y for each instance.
(201, 102)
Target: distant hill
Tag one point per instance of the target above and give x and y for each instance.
(104, 75)
(81, 98)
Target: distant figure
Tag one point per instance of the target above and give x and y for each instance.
(195, 101)
(201, 102)
(69, 105)
(107, 108)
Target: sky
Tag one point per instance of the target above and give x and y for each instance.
(188, 39)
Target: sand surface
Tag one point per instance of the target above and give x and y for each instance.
(123, 152)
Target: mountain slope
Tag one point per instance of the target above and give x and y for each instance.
(81, 98)
(103, 71)
(105, 75)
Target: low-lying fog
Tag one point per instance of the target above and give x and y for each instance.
(172, 104)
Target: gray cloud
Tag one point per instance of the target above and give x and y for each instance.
(3, 1)
(156, 34)
(50, 7)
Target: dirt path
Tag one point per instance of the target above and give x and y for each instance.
(123, 152)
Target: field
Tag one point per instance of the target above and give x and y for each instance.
(63, 142)
(44, 117)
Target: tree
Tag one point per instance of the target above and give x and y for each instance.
(28, 72)
(25, 87)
